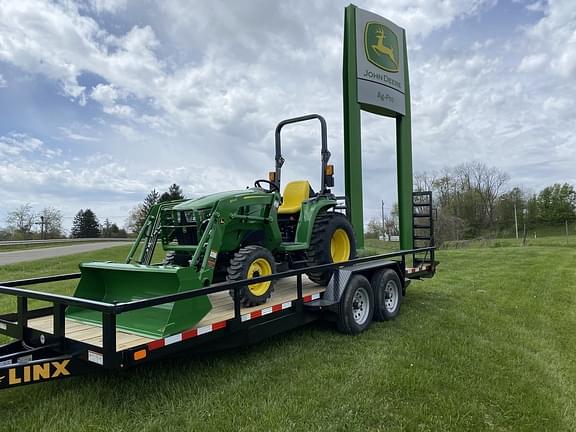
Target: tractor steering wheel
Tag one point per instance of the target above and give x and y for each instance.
(273, 186)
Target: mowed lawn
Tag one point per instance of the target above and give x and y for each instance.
(488, 344)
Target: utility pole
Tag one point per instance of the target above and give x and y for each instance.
(516, 220)
(383, 235)
(42, 224)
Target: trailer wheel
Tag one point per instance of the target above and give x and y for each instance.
(332, 241)
(387, 294)
(356, 306)
(250, 262)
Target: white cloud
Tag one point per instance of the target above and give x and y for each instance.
(533, 62)
(15, 144)
(553, 39)
(193, 96)
(3, 82)
(110, 6)
(68, 44)
(70, 134)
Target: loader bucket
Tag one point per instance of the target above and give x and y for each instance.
(111, 282)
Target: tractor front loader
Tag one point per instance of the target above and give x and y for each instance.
(233, 235)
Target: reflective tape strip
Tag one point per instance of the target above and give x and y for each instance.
(266, 311)
(173, 339)
(222, 324)
(95, 357)
(311, 297)
(160, 343)
(204, 330)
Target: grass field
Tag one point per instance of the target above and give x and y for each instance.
(488, 344)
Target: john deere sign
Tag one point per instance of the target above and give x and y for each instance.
(376, 80)
(380, 62)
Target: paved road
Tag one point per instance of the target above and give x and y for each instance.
(36, 254)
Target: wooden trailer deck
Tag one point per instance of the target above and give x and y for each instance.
(222, 310)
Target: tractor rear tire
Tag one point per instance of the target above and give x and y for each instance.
(332, 240)
(249, 262)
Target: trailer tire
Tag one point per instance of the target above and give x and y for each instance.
(387, 294)
(252, 261)
(330, 228)
(356, 306)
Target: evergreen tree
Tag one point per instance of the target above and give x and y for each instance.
(174, 193)
(85, 225)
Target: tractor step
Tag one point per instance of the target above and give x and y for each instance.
(292, 246)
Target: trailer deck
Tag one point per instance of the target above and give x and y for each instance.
(222, 311)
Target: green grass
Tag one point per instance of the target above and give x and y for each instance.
(559, 241)
(488, 344)
(375, 247)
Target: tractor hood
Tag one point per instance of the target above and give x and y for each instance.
(209, 201)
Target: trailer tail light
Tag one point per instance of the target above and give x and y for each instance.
(140, 354)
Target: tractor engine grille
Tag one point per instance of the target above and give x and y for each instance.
(180, 227)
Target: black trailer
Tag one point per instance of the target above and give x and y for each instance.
(50, 346)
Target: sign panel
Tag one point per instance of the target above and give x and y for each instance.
(380, 62)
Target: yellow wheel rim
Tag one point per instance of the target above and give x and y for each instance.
(340, 246)
(259, 267)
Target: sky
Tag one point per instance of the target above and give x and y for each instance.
(104, 100)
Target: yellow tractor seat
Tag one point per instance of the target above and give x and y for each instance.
(294, 194)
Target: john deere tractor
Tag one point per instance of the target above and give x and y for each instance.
(231, 235)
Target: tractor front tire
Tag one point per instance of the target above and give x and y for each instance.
(250, 262)
(181, 259)
(332, 241)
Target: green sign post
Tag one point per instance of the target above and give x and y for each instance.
(376, 80)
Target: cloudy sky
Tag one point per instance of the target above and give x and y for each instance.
(103, 100)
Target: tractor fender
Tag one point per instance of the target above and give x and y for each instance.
(308, 214)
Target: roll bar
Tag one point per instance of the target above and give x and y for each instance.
(324, 151)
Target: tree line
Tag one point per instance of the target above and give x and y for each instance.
(474, 200)
(24, 223)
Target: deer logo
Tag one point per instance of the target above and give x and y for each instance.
(383, 49)
(381, 45)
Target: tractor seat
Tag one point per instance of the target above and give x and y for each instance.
(295, 193)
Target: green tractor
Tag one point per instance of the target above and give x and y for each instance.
(233, 235)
